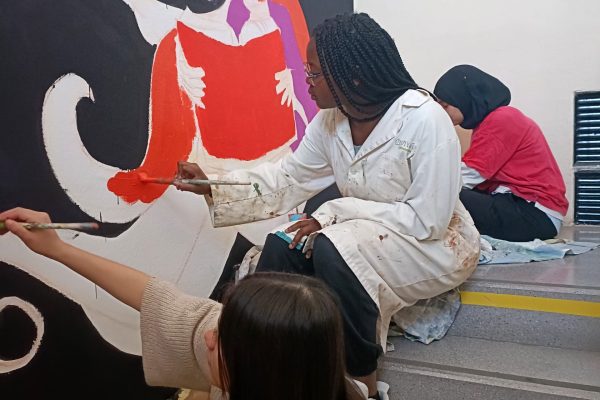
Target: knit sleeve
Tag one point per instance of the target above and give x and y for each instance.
(173, 324)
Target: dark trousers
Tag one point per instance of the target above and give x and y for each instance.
(359, 311)
(507, 217)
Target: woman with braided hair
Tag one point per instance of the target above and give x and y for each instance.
(399, 233)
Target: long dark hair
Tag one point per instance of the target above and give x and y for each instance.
(280, 337)
(363, 61)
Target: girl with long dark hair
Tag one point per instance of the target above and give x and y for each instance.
(276, 336)
(399, 233)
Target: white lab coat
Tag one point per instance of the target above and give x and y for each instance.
(399, 225)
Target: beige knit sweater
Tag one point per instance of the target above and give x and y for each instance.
(173, 324)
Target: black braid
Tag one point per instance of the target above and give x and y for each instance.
(363, 61)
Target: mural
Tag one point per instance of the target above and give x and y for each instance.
(96, 92)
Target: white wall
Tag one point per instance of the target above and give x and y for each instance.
(543, 50)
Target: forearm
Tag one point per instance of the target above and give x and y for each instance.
(275, 190)
(402, 216)
(227, 210)
(124, 283)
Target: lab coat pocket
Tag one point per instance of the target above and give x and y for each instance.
(393, 174)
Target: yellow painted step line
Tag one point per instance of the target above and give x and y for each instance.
(543, 304)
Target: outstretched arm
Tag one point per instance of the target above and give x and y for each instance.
(275, 188)
(172, 323)
(124, 283)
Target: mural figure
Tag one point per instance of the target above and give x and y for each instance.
(218, 96)
(205, 106)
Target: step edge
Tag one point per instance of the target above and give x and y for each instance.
(550, 290)
(531, 303)
(537, 385)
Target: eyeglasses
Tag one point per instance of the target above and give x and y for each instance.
(311, 76)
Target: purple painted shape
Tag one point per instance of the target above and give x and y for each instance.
(237, 15)
(293, 60)
(300, 128)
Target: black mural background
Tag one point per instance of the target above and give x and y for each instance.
(99, 40)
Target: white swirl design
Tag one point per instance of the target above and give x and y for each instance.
(38, 320)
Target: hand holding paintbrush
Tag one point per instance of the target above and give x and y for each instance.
(190, 178)
(167, 181)
(124, 283)
(43, 241)
(187, 170)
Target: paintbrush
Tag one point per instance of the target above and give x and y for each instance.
(76, 226)
(167, 181)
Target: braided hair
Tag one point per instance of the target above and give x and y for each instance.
(363, 61)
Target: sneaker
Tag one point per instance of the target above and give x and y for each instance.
(382, 390)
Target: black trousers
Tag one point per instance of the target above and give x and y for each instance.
(359, 311)
(507, 217)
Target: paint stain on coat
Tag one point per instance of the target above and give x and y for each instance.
(256, 187)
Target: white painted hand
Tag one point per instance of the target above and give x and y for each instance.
(285, 87)
(190, 78)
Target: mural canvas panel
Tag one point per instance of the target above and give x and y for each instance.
(96, 92)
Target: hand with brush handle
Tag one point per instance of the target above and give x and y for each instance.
(124, 283)
(188, 170)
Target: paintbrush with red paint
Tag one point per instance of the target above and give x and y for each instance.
(169, 181)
